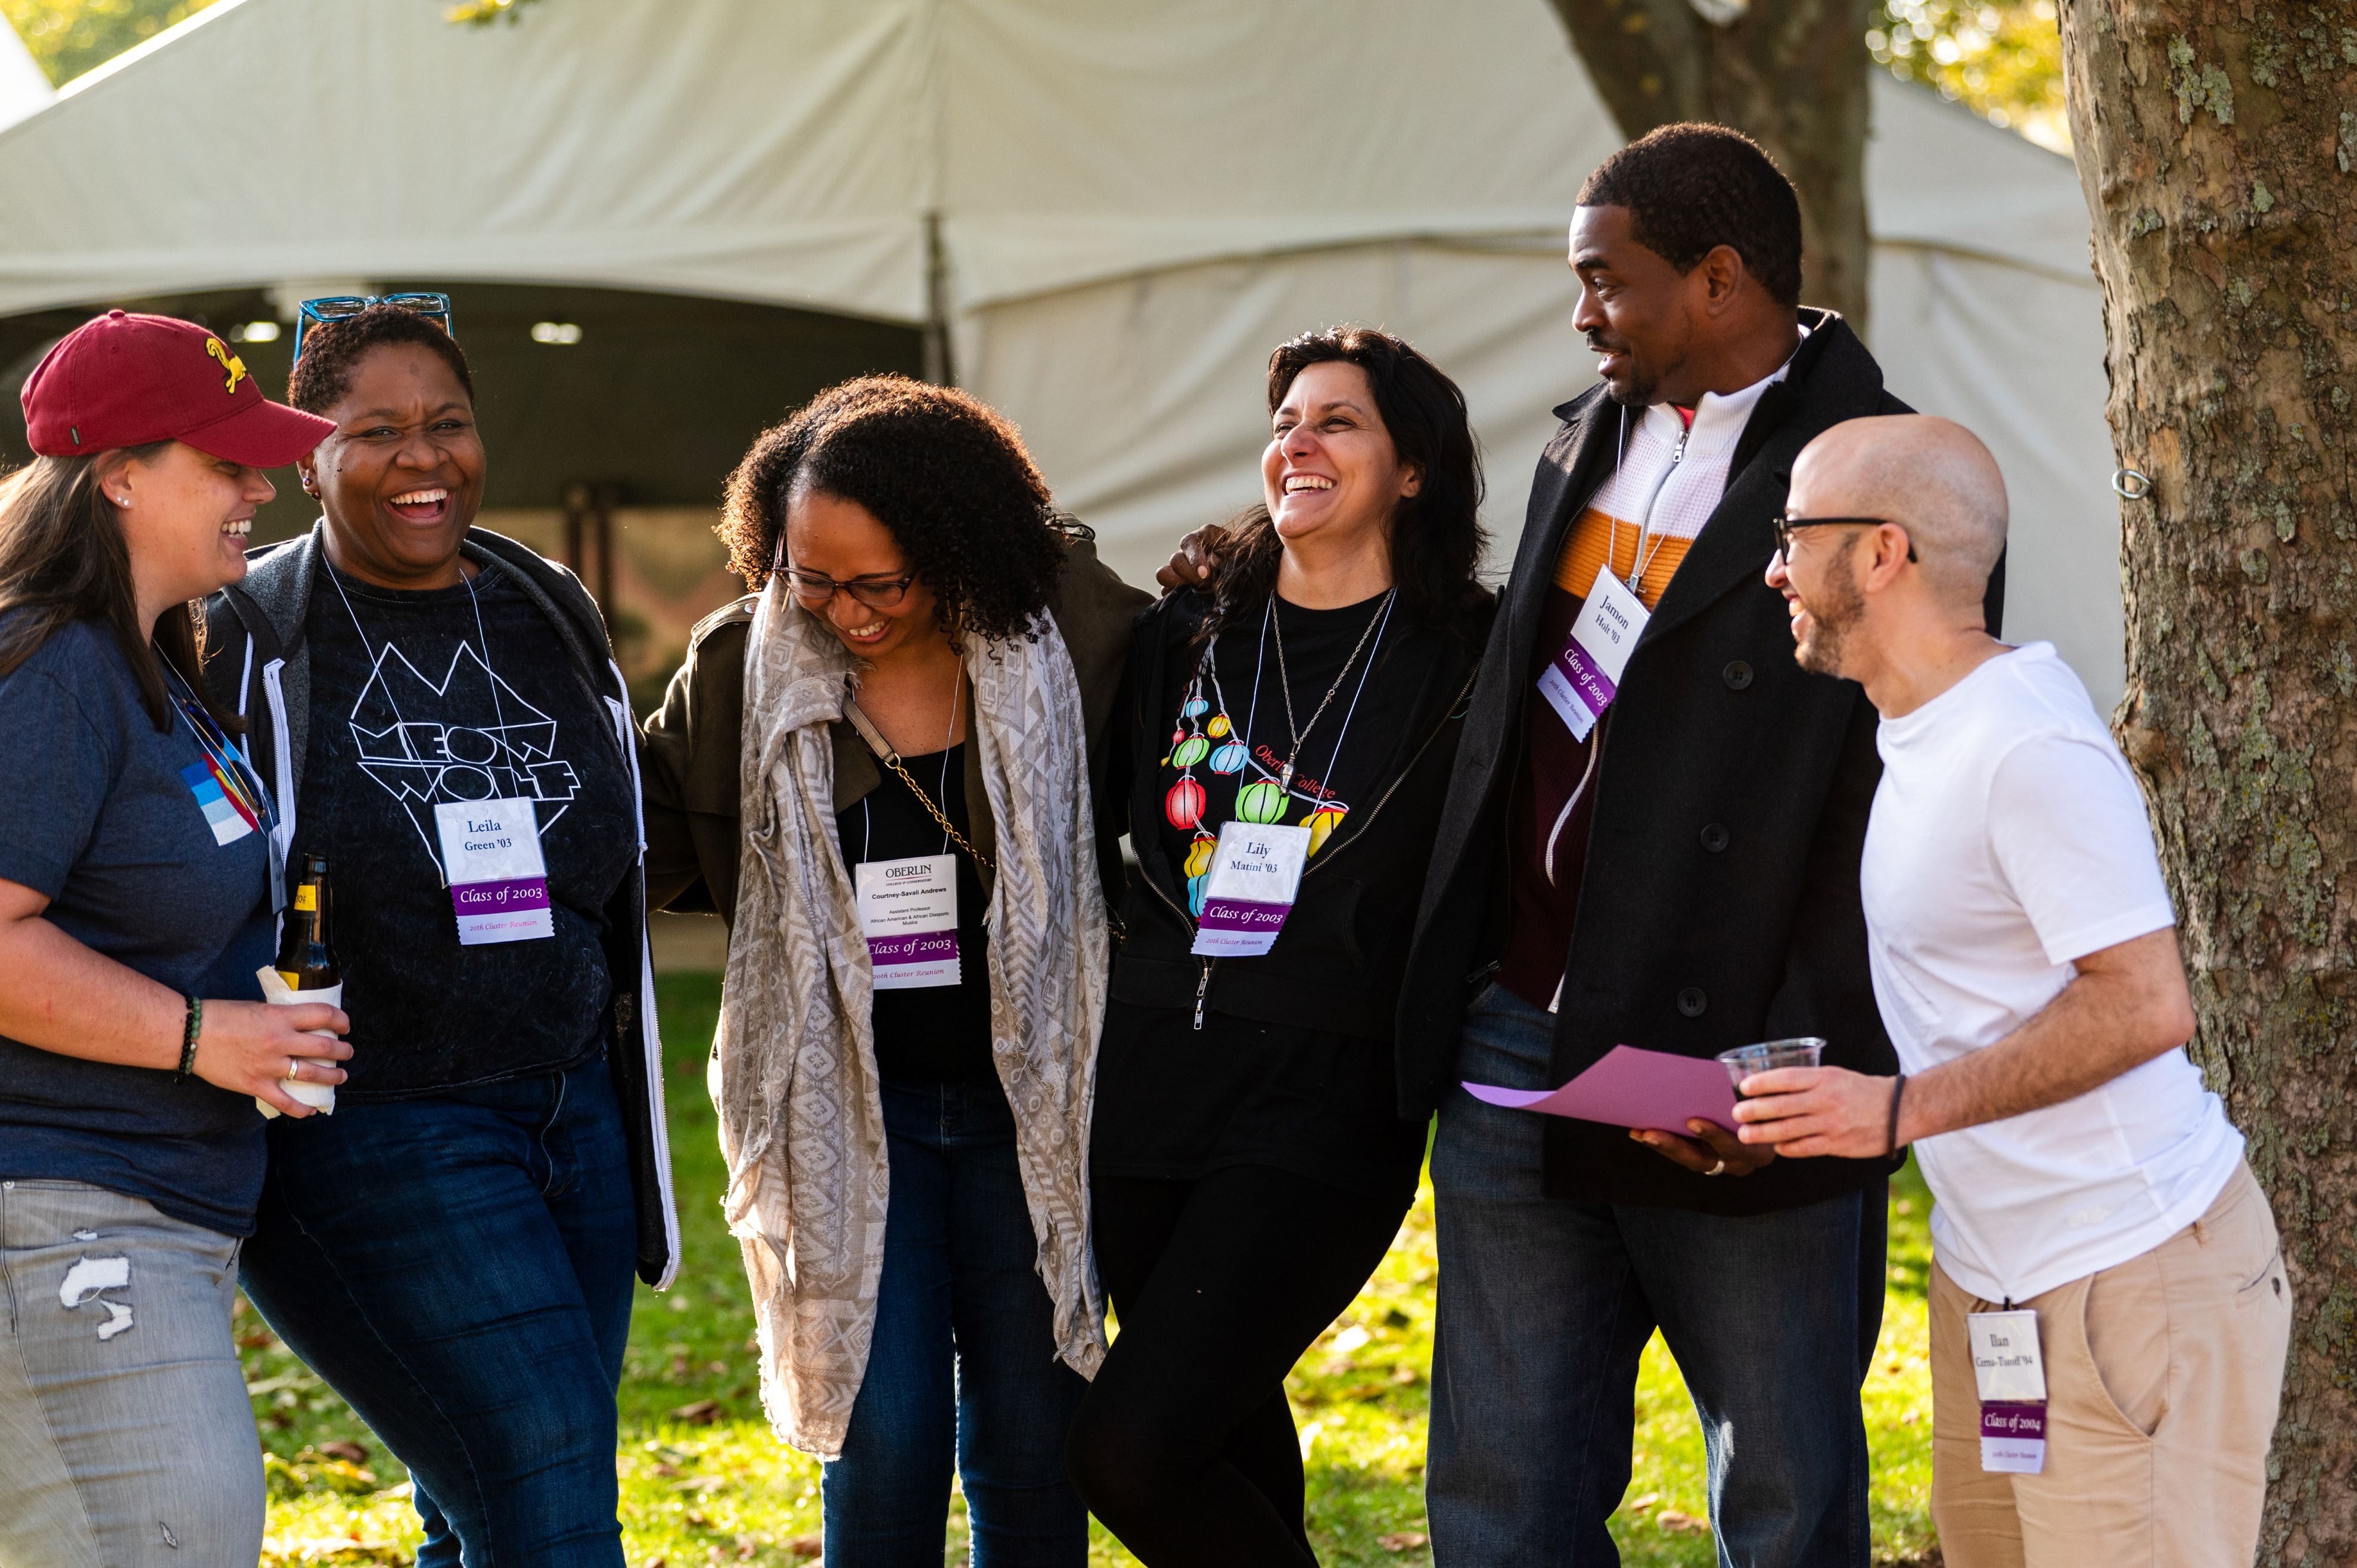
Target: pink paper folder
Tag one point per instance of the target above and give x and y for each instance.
(1629, 1088)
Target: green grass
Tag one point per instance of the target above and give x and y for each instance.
(704, 1482)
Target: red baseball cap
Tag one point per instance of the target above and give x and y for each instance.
(124, 380)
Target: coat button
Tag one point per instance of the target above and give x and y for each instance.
(1738, 675)
(1691, 1001)
(1714, 837)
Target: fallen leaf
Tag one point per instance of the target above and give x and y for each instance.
(349, 1451)
(1404, 1540)
(702, 1412)
(1642, 1504)
(806, 1546)
(1678, 1523)
(1406, 1377)
(1350, 1339)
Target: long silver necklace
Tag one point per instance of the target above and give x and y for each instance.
(1284, 681)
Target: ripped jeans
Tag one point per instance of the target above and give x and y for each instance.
(126, 1439)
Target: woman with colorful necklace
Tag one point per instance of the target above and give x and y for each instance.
(1290, 737)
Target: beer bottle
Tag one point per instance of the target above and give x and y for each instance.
(307, 950)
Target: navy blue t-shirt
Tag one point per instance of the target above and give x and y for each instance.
(115, 822)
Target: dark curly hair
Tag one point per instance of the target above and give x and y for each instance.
(1691, 187)
(332, 349)
(943, 472)
(1436, 534)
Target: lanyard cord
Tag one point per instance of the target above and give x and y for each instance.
(891, 758)
(1643, 557)
(866, 817)
(1326, 785)
(1284, 681)
(498, 710)
(220, 751)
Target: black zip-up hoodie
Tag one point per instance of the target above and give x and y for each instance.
(1337, 962)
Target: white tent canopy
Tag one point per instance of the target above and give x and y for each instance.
(1132, 204)
(23, 86)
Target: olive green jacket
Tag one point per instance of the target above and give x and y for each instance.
(693, 753)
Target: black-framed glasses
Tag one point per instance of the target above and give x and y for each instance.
(815, 589)
(337, 306)
(1784, 524)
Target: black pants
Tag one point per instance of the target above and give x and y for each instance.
(1184, 1445)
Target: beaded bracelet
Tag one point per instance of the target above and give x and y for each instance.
(188, 1032)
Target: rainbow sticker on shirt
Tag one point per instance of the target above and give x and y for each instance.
(223, 814)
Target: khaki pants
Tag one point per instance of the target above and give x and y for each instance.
(2162, 1377)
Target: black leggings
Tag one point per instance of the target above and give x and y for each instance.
(1184, 1445)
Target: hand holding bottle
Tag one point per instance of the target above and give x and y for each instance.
(253, 1047)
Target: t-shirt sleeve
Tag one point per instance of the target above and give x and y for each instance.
(2069, 828)
(57, 802)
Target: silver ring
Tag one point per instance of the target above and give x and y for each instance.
(2129, 485)
(295, 1072)
(1718, 1169)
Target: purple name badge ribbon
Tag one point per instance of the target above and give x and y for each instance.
(504, 910)
(908, 960)
(2013, 1437)
(913, 946)
(1238, 927)
(1580, 691)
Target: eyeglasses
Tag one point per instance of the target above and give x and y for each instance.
(813, 589)
(1784, 524)
(337, 306)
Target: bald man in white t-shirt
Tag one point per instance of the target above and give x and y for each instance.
(2025, 961)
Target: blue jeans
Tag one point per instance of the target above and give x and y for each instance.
(1545, 1306)
(963, 1368)
(459, 1267)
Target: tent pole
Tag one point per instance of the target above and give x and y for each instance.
(938, 367)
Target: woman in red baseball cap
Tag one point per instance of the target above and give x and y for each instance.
(134, 910)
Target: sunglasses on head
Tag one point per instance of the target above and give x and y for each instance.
(1784, 524)
(337, 306)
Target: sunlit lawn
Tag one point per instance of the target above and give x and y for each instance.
(704, 1482)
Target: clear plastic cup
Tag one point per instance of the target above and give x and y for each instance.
(1744, 1060)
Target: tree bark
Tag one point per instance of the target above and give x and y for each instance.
(1790, 74)
(2217, 142)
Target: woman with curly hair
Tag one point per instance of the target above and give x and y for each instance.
(1290, 738)
(879, 769)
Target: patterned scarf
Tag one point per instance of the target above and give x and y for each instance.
(802, 1125)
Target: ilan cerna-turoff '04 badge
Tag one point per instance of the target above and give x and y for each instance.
(2012, 1384)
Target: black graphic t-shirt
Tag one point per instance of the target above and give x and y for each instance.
(1229, 736)
(419, 716)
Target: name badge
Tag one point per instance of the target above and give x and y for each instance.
(2012, 1381)
(1255, 871)
(908, 912)
(490, 857)
(1580, 682)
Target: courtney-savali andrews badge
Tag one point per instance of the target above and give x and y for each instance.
(908, 912)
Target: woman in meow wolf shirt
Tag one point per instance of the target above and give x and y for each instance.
(453, 1252)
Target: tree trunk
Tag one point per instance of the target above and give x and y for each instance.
(2218, 146)
(1790, 74)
